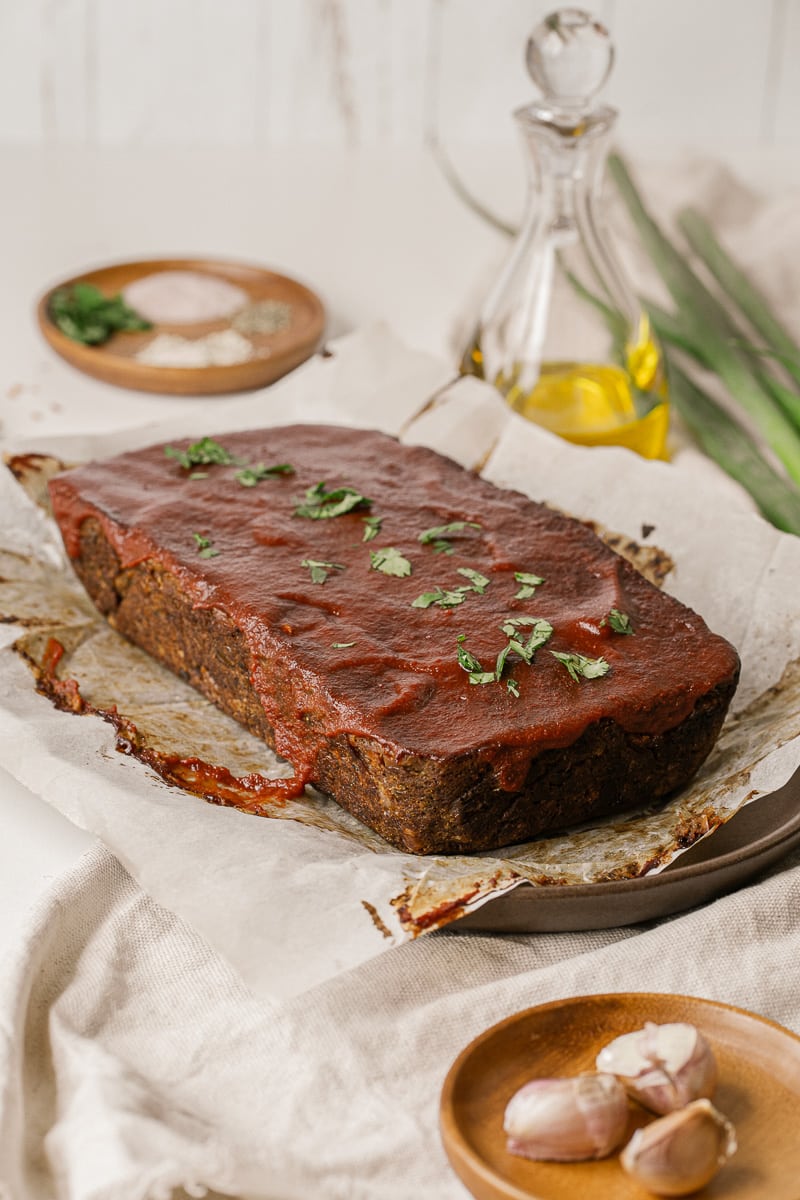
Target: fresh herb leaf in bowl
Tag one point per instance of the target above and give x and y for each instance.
(85, 315)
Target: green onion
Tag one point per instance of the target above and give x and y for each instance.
(732, 448)
(717, 332)
(735, 283)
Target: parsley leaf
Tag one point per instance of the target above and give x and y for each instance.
(320, 504)
(512, 624)
(620, 622)
(479, 582)
(250, 476)
(390, 562)
(468, 662)
(580, 667)
(200, 453)
(372, 527)
(441, 598)
(204, 547)
(500, 661)
(86, 315)
(541, 632)
(451, 598)
(437, 537)
(529, 584)
(320, 570)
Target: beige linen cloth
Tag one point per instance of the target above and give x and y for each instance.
(134, 1063)
(134, 1060)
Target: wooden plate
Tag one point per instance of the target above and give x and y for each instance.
(115, 362)
(758, 1090)
(759, 836)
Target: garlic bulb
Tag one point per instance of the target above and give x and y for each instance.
(566, 1120)
(681, 1152)
(664, 1067)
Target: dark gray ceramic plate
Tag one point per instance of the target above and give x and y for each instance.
(758, 836)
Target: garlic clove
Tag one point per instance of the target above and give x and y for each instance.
(681, 1152)
(664, 1067)
(567, 1120)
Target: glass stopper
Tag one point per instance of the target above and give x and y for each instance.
(569, 57)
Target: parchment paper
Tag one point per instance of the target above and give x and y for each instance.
(292, 901)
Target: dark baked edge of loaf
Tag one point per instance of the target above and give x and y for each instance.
(418, 804)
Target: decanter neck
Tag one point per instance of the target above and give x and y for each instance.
(564, 146)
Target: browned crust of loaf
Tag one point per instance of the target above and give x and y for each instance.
(419, 804)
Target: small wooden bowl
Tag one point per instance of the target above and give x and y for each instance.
(114, 361)
(758, 1090)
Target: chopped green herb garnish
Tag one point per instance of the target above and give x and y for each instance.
(250, 476)
(511, 625)
(320, 570)
(390, 562)
(372, 527)
(198, 475)
(451, 598)
(500, 661)
(441, 598)
(86, 315)
(580, 667)
(479, 582)
(541, 632)
(620, 622)
(478, 675)
(468, 662)
(438, 536)
(529, 584)
(206, 451)
(204, 547)
(441, 531)
(341, 645)
(320, 504)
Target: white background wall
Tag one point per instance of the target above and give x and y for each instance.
(709, 74)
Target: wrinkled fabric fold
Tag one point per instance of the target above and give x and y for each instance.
(135, 1061)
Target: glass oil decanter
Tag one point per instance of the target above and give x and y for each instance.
(562, 335)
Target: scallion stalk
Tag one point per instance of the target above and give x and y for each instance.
(735, 284)
(732, 448)
(715, 330)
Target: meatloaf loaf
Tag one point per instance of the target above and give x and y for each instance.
(458, 666)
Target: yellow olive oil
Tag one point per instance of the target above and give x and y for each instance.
(592, 404)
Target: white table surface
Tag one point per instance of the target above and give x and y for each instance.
(379, 235)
